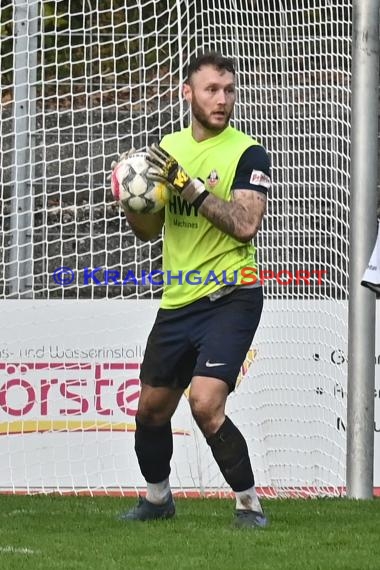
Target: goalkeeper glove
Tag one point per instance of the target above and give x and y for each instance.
(166, 169)
(124, 155)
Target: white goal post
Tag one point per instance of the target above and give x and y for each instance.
(83, 82)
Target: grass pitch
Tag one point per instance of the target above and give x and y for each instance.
(52, 532)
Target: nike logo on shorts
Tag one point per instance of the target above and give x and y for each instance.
(212, 364)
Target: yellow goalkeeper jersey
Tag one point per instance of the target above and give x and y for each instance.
(198, 258)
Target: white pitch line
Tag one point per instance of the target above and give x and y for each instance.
(15, 550)
(18, 512)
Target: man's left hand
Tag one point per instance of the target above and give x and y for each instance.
(166, 169)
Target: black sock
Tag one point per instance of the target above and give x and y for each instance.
(154, 449)
(230, 451)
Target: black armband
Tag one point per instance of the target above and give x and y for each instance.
(200, 199)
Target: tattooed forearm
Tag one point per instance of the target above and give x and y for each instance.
(241, 218)
(224, 215)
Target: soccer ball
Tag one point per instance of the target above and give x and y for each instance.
(132, 188)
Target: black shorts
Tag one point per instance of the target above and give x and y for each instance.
(205, 338)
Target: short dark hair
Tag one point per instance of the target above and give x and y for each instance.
(213, 58)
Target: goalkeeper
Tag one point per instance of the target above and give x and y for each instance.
(219, 178)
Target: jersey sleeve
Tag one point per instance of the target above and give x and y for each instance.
(253, 170)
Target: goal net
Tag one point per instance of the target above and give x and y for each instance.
(82, 82)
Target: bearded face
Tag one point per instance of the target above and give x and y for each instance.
(211, 95)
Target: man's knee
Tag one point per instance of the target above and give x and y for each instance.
(149, 416)
(207, 402)
(207, 416)
(156, 405)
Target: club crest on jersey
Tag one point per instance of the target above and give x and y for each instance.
(212, 179)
